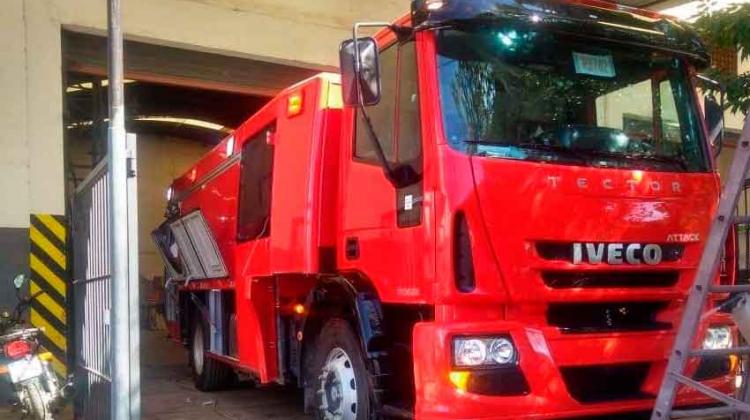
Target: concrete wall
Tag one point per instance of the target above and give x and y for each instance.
(301, 32)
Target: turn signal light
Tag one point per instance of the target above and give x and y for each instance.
(46, 356)
(459, 379)
(17, 349)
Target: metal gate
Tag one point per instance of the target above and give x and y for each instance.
(92, 291)
(92, 295)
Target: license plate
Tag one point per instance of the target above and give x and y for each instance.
(25, 369)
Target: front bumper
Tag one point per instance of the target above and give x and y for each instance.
(544, 356)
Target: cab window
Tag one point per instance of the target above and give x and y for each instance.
(395, 119)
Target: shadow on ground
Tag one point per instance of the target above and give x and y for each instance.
(168, 392)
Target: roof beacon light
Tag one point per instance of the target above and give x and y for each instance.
(433, 5)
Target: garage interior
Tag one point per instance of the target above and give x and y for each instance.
(179, 103)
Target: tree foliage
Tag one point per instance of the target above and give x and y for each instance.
(729, 28)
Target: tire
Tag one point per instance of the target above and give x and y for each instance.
(208, 374)
(340, 383)
(35, 402)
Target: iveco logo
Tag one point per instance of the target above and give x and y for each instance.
(616, 253)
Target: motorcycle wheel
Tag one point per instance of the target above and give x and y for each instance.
(35, 402)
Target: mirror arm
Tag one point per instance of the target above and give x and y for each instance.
(403, 33)
(710, 81)
(355, 37)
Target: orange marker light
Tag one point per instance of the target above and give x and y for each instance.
(459, 380)
(299, 309)
(294, 104)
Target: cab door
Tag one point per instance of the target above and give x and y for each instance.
(384, 228)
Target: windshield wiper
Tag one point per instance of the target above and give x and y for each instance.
(560, 151)
(568, 152)
(675, 160)
(585, 155)
(679, 160)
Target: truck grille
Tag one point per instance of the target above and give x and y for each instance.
(595, 279)
(592, 384)
(606, 317)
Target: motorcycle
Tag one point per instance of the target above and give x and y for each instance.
(36, 385)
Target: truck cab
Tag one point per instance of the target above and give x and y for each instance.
(497, 212)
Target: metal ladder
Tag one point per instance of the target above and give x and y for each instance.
(703, 286)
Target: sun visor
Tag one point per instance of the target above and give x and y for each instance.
(616, 23)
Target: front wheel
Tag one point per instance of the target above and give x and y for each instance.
(343, 390)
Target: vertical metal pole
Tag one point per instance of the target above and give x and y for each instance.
(133, 285)
(118, 218)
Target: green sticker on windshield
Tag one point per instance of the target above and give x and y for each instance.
(594, 65)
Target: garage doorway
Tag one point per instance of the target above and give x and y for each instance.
(179, 104)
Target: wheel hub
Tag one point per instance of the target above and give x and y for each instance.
(338, 387)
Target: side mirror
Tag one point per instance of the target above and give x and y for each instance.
(363, 78)
(714, 121)
(19, 281)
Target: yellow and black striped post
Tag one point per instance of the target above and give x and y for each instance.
(49, 274)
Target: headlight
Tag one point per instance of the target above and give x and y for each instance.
(718, 338)
(482, 351)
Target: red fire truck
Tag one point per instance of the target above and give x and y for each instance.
(495, 211)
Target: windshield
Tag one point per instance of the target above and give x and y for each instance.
(516, 93)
